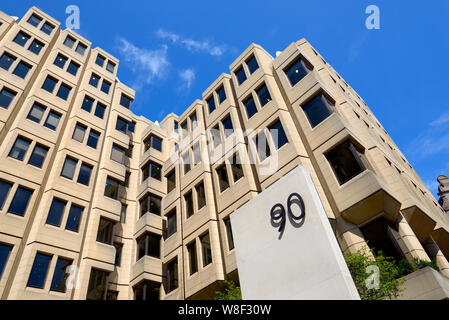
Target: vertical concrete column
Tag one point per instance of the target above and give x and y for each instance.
(350, 237)
(407, 240)
(436, 254)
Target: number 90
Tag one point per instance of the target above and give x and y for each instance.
(278, 215)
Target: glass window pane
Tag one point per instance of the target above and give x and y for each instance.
(105, 230)
(211, 104)
(20, 148)
(227, 126)
(69, 42)
(229, 235)
(171, 223)
(84, 175)
(47, 28)
(60, 61)
(81, 49)
(297, 71)
(278, 134)
(112, 188)
(52, 120)
(21, 38)
(22, 69)
(171, 181)
(121, 125)
(20, 201)
(154, 245)
(110, 67)
(49, 84)
(118, 154)
(206, 249)
(60, 275)
(6, 60)
(262, 146)
(186, 161)
(172, 275)
(125, 101)
(94, 80)
(221, 94)
(64, 91)
(100, 60)
(155, 205)
(5, 250)
(236, 167)
(200, 195)
(92, 141)
(155, 171)
(87, 104)
(38, 156)
(250, 106)
(156, 143)
(36, 46)
(74, 219)
(240, 74)
(196, 153)
(34, 20)
(193, 258)
(97, 285)
(105, 86)
(318, 109)
(36, 113)
(118, 253)
(79, 132)
(68, 170)
(57, 209)
(252, 64)
(345, 161)
(5, 187)
(264, 95)
(6, 96)
(39, 271)
(73, 68)
(100, 110)
(188, 198)
(223, 178)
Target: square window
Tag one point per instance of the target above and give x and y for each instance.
(87, 104)
(223, 179)
(6, 60)
(126, 101)
(97, 284)
(73, 68)
(60, 61)
(296, 71)
(20, 201)
(252, 64)
(132, 126)
(153, 142)
(49, 84)
(318, 109)
(278, 134)
(264, 95)
(92, 141)
(69, 42)
(112, 188)
(85, 173)
(345, 161)
(79, 132)
(47, 28)
(21, 38)
(94, 80)
(211, 103)
(121, 125)
(36, 113)
(22, 69)
(100, 60)
(56, 212)
(81, 49)
(68, 169)
(150, 203)
(221, 94)
(34, 20)
(105, 86)
(110, 67)
(250, 106)
(6, 96)
(105, 231)
(38, 156)
(39, 271)
(100, 110)
(36, 47)
(52, 120)
(20, 148)
(240, 74)
(5, 187)
(64, 91)
(60, 275)
(118, 154)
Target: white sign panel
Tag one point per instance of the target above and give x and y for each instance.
(285, 246)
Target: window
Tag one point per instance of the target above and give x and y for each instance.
(184, 129)
(5, 187)
(262, 147)
(22, 69)
(196, 153)
(193, 121)
(20, 148)
(36, 47)
(221, 94)
(121, 125)
(278, 134)
(296, 71)
(126, 101)
(124, 207)
(112, 188)
(149, 245)
(87, 104)
(20, 201)
(118, 154)
(193, 260)
(105, 230)
(94, 80)
(81, 49)
(118, 253)
(105, 86)
(171, 223)
(92, 140)
(200, 195)
(345, 161)
(73, 68)
(153, 142)
(34, 20)
(152, 170)
(223, 177)
(250, 106)
(68, 169)
(240, 74)
(5, 250)
(264, 95)
(21, 38)
(171, 181)
(227, 126)
(252, 64)
(52, 120)
(6, 60)
(100, 60)
(60, 275)
(132, 126)
(64, 91)
(318, 109)
(188, 198)
(110, 67)
(60, 61)
(57, 209)
(38, 155)
(127, 177)
(211, 103)
(206, 249)
(39, 271)
(74, 218)
(49, 84)
(186, 161)
(227, 223)
(100, 110)
(216, 137)
(172, 275)
(85, 173)
(150, 203)
(97, 284)
(69, 42)
(6, 96)
(36, 112)
(147, 290)
(79, 132)
(236, 167)
(47, 28)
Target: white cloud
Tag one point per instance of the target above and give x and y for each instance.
(187, 76)
(443, 119)
(148, 65)
(193, 45)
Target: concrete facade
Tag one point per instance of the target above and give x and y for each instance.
(140, 210)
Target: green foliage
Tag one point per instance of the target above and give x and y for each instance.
(405, 267)
(232, 292)
(423, 263)
(389, 275)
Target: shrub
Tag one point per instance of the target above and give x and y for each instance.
(232, 292)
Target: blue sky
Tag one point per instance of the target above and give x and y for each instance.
(401, 70)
